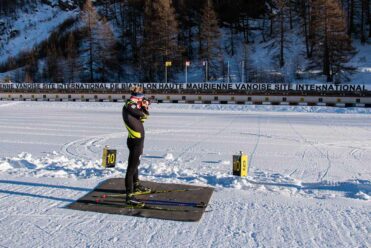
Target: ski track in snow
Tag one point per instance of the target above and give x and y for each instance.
(257, 142)
(280, 204)
(202, 140)
(85, 147)
(322, 174)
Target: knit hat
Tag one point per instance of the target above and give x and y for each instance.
(137, 96)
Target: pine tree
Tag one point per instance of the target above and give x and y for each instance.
(102, 54)
(279, 42)
(363, 20)
(51, 68)
(60, 77)
(73, 67)
(106, 50)
(248, 10)
(7, 6)
(350, 17)
(282, 7)
(132, 31)
(90, 18)
(231, 22)
(210, 50)
(160, 39)
(28, 78)
(187, 15)
(305, 13)
(32, 67)
(332, 44)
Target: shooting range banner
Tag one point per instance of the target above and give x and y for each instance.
(186, 86)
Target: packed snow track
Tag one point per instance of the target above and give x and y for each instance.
(309, 182)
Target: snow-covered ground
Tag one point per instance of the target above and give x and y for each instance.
(308, 185)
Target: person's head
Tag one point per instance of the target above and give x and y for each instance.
(136, 93)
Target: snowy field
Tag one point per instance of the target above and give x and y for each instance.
(309, 182)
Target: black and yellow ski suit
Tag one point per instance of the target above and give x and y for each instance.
(134, 118)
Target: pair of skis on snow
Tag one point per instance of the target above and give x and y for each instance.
(152, 204)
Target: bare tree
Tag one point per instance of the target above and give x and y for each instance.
(32, 67)
(363, 20)
(107, 61)
(73, 67)
(333, 46)
(90, 18)
(305, 17)
(210, 50)
(160, 38)
(279, 41)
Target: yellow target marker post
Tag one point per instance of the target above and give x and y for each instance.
(109, 157)
(240, 165)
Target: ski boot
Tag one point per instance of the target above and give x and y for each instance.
(140, 188)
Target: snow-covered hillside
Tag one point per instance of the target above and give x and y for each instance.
(255, 61)
(32, 25)
(309, 181)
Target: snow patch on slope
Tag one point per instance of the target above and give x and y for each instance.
(34, 27)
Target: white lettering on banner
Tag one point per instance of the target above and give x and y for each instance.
(189, 86)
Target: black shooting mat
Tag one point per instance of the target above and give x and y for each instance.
(106, 198)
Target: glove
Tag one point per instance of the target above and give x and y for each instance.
(145, 103)
(144, 118)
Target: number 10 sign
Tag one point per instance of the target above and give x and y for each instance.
(109, 158)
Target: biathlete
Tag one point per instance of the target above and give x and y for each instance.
(134, 113)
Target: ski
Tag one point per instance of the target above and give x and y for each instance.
(147, 193)
(164, 203)
(145, 206)
(176, 203)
